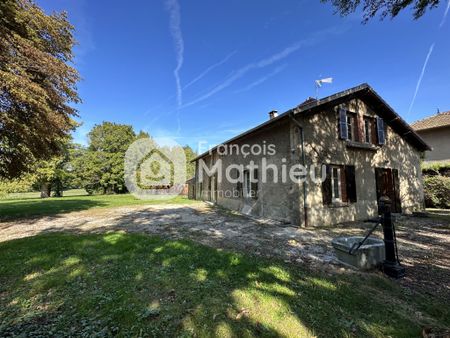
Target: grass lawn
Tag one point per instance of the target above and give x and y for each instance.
(442, 214)
(37, 194)
(24, 207)
(136, 285)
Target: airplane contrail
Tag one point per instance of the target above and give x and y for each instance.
(445, 15)
(262, 79)
(244, 70)
(175, 30)
(236, 75)
(430, 51)
(207, 70)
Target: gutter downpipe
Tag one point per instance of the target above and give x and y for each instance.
(302, 140)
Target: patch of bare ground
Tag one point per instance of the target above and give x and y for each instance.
(424, 243)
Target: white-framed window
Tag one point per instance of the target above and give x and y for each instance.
(336, 184)
(251, 183)
(367, 131)
(247, 183)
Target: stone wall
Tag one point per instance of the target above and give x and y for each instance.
(277, 201)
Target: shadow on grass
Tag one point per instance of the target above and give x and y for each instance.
(128, 284)
(13, 209)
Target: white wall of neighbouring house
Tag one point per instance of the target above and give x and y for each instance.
(439, 140)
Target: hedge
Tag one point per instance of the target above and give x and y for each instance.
(436, 168)
(437, 191)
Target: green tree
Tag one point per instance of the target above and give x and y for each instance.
(17, 185)
(74, 167)
(111, 137)
(101, 167)
(190, 166)
(53, 175)
(385, 8)
(37, 85)
(48, 173)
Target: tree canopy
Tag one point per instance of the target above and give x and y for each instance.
(37, 85)
(101, 168)
(97, 167)
(385, 8)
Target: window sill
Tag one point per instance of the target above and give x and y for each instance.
(361, 145)
(334, 205)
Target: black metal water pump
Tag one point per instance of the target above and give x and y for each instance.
(391, 265)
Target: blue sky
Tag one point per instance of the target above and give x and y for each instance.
(206, 70)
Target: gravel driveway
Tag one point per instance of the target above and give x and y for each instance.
(424, 243)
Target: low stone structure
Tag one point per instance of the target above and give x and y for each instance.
(368, 256)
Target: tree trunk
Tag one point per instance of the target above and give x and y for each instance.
(45, 189)
(58, 188)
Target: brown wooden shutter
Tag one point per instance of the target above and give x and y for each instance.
(359, 134)
(344, 195)
(343, 129)
(326, 187)
(396, 203)
(350, 180)
(379, 185)
(380, 130)
(373, 131)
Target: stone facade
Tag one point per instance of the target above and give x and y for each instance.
(322, 145)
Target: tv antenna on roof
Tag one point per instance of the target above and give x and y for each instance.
(319, 83)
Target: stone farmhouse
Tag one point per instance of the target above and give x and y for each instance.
(365, 148)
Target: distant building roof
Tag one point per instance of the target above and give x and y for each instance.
(436, 121)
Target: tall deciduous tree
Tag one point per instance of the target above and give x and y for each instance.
(385, 8)
(190, 166)
(102, 167)
(37, 84)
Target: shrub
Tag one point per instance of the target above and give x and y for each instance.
(437, 191)
(24, 184)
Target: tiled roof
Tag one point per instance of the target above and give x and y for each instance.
(435, 121)
(364, 92)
